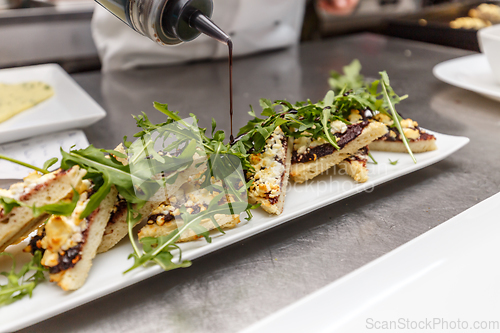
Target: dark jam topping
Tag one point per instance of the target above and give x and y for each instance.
(425, 136)
(119, 209)
(197, 208)
(352, 132)
(167, 217)
(34, 243)
(273, 200)
(68, 259)
(363, 151)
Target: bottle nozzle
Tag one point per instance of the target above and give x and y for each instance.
(203, 24)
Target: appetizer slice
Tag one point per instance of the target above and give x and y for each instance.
(167, 216)
(418, 139)
(35, 190)
(271, 172)
(69, 243)
(312, 157)
(355, 165)
(117, 227)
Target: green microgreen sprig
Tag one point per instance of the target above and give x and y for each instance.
(21, 283)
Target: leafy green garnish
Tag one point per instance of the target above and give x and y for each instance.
(27, 165)
(371, 157)
(368, 94)
(63, 207)
(21, 283)
(351, 78)
(393, 162)
(395, 116)
(170, 147)
(104, 170)
(8, 204)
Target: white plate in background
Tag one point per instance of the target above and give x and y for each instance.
(446, 279)
(70, 107)
(106, 275)
(470, 72)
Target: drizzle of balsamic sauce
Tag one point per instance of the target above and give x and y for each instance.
(230, 47)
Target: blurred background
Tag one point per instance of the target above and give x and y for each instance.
(41, 31)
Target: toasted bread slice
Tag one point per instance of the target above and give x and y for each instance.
(69, 243)
(166, 217)
(272, 170)
(355, 165)
(417, 146)
(40, 190)
(313, 160)
(117, 227)
(418, 139)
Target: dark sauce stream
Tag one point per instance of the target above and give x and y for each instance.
(230, 47)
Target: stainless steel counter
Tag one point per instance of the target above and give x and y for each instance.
(49, 33)
(232, 288)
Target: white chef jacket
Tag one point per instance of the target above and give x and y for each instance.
(254, 26)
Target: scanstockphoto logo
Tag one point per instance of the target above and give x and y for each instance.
(430, 324)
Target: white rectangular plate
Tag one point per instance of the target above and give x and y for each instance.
(70, 107)
(107, 275)
(445, 280)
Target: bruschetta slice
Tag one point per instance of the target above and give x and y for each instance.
(271, 173)
(311, 157)
(35, 190)
(69, 243)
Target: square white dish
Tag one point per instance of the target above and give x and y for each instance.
(445, 280)
(70, 107)
(106, 275)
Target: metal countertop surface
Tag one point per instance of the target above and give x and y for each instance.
(232, 288)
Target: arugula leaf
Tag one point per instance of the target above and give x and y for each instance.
(21, 284)
(50, 163)
(63, 207)
(329, 98)
(13, 160)
(325, 122)
(395, 116)
(372, 158)
(8, 204)
(104, 172)
(352, 79)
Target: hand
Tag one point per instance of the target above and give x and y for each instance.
(338, 7)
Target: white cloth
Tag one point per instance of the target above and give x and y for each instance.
(254, 26)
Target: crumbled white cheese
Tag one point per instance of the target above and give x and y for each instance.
(338, 127)
(303, 144)
(65, 232)
(269, 167)
(30, 182)
(355, 117)
(383, 118)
